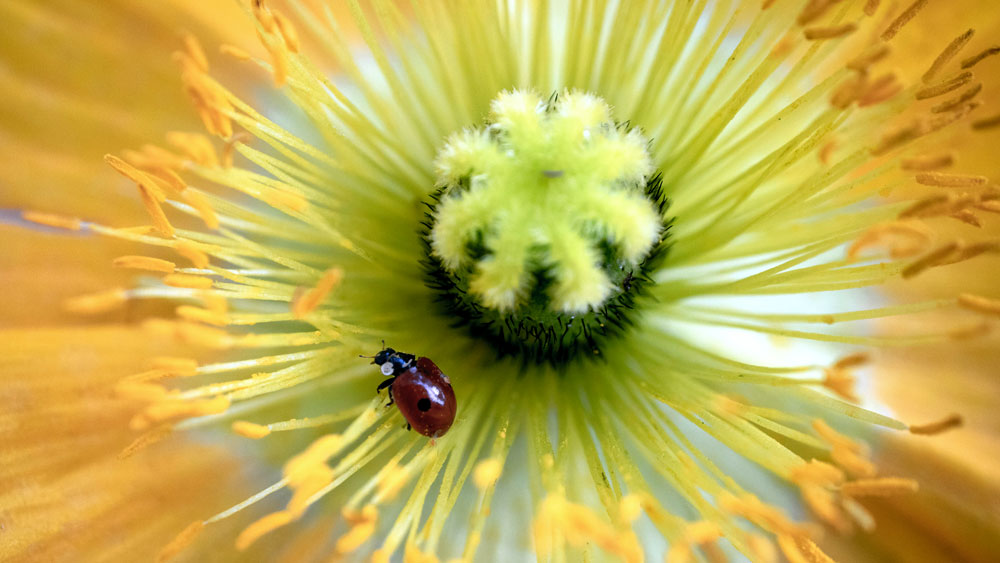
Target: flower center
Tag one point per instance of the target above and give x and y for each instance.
(545, 225)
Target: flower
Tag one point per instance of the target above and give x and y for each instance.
(591, 217)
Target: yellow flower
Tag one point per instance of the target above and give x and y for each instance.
(640, 238)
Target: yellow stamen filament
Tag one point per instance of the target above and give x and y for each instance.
(180, 542)
(187, 280)
(979, 304)
(830, 32)
(250, 430)
(310, 300)
(362, 528)
(258, 529)
(988, 52)
(175, 367)
(945, 86)
(928, 162)
(95, 303)
(949, 53)
(901, 20)
(278, 198)
(487, 472)
(943, 180)
(881, 487)
(943, 425)
(52, 220)
(144, 263)
(197, 314)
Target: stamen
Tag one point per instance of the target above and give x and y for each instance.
(191, 251)
(862, 62)
(830, 32)
(814, 10)
(229, 148)
(144, 263)
(203, 207)
(195, 146)
(986, 123)
(844, 451)
(967, 217)
(958, 101)
(933, 258)
(767, 517)
(901, 20)
(871, 6)
(979, 304)
(880, 90)
(145, 440)
(928, 162)
(799, 549)
(973, 60)
(188, 281)
(53, 220)
(943, 425)
(172, 409)
(261, 527)
(881, 487)
(949, 52)
(943, 180)
(197, 314)
(175, 367)
(95, 303)
(179, 543)
(487, 472)
(250, 430)
(362, 528)
(154, 210)
(235, 52)
(311, 299)
(945, 86)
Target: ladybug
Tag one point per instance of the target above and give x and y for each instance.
(419, 390)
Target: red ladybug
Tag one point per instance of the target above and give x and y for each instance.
(420, 391)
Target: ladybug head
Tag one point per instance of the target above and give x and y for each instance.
(383, 356)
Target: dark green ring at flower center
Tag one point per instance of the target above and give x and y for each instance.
(534, 333)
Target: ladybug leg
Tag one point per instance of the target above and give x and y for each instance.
(386, 384)
(408, 427)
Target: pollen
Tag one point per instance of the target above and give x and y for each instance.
(250, 429)
(486, 472)
(188, 281)
(362, 528)
(180, 542)
(53, 220)
(96, 303)
(311, 299)
(881, 487)
(262, 527)
(144, 263)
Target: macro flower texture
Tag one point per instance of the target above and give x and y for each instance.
(512, 280)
